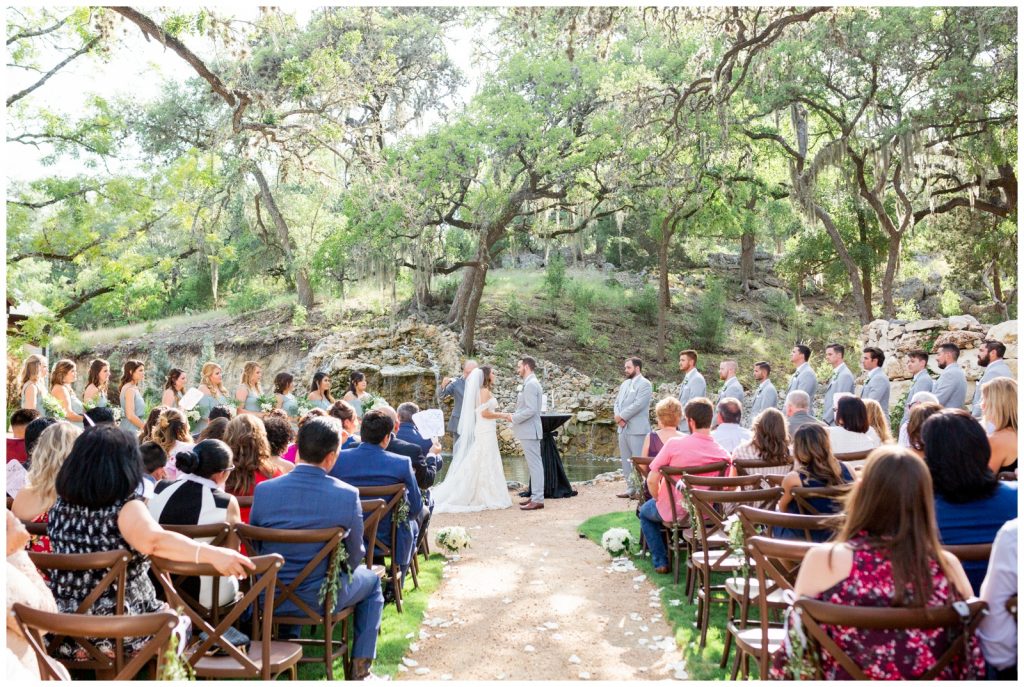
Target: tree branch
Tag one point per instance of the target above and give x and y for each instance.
(46, 77)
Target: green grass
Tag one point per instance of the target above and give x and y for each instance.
(392, 642)
(699, 665)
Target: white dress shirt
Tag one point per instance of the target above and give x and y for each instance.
(730, 435)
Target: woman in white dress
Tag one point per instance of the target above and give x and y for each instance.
(476, 480)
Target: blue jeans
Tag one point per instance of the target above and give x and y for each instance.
(650, 525)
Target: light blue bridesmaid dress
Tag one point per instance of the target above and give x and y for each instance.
(76, 406)
(252, 402)
(205, 405)
(140, 410)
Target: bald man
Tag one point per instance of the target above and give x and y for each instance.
(732, 387)
(456, 388)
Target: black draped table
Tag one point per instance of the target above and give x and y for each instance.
(556, 482)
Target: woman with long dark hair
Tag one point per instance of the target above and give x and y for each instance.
(174, 387)
(284, 385)
(815, 466)
(769, 445)
(132, 403)
(96, 386)
(320, 391)
(356, 393)
(65, 372)
(247, 439)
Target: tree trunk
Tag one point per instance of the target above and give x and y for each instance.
(888, 279)
(664, 295)
(747, 245)
(302, 286)
(472, 308)
(214, 278)
(852, 269)
(866, 273)
(997, 290)
(458, 309)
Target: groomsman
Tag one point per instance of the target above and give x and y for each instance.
(766, 396)
(990, 357)
(803, 378)
(694, 385)
(732, 387)
(951, 387)
(456, 388)
(876, 386)
(917, 363)
(841, 381)
(632, 417)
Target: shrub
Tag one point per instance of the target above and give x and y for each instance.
(252, 296)
(554, 278)
(949, 304)
(505, 348)
(781, 308)
(515, 312)
(709, 324)
(644, 304)
(907, 310)
(582, 330)
(444, 288)
(299, 315)
(582, 296)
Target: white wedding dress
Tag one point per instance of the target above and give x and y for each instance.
(475, 480)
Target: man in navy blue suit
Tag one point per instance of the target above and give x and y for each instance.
(371, 465)
(427, 462)
(309, 498)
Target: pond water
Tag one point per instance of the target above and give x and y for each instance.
(578, 468)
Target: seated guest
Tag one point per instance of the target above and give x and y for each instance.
(888, 555)
(293, 449)
(878, 420)
(16, 439)
(815, 467)
(198, 498)
(370, 464)
(99, 509)
(970, 503)
(280, 435)
(999, 409)
(309, 498)
(423, 465)
(100, 415)
(32, 433)
(407, 430)
(696, 448)
(247, 439)
(145, 433)
(225, 411)
(730, 433)
(769, 444)
(215, 429)
(912, 402)
(998, 629)
(221, 412)
(918, 416)
(798, 411)
(852, 433)
(154, 464)
(346, 415)
(40, 492)
(172, 433)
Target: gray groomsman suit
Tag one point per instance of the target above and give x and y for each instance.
(526, 427)
(694, 386)
(765, 397)
(804, 379)
(951, 387)
(841, 381)
(922, 382)
(995, 370)
(877, 386)
(456, 388)
(633, 404)
(731, 389)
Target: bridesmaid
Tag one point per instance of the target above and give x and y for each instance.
(247, 395)
(356, 392)
(174, 387)
(65, 372)
(211, 385)
(33, 388)
(284, 388)
(132, 404)
(320, 391)
(96, 387)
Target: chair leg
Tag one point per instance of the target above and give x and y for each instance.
(736, 664)
(705, 607)
(396, 584)
(329, 649)
(414, 566)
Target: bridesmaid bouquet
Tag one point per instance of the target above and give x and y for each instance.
(617, 541)
(304, 405)
(118, 414)
(267, 402)
(371, 402)
(193, 416)
(53, 407)
(452, 539)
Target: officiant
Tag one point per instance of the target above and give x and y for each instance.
(456, 388)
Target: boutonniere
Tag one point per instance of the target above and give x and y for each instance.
(519, 389)
(686, 381)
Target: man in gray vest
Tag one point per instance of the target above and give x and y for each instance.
(456, 388)
(766, 396)
(803, 378)
(990, 357)
(951, 387)
(876, 386)
(841, 381)
(694, 385)
(632, 417)
(917, 363)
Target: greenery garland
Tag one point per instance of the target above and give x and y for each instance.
(328, 594)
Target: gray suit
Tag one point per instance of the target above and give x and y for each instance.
(633, 404)
(694, 386)
(922, 382)
(731, 389)
(995, 370)
(951, 387)
(798, 420)
(456, 388)
(526, 427)
(804, 379)
(765, 397)
(840, 382)
(876, 386)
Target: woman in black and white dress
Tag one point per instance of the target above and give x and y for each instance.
(198, 498)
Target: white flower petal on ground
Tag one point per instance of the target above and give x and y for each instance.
(402, 669)
(412, 663)
(639, 578)
(410, 635)
(529, 648)
(584, 675)
(446, 676)
(629, 634)
(642, 641)
(551, 625)
(643, 628)
(634, 616)
(506, 600)
(574, 659)
(422, 671)
(675, 602)
(557, 637)
(414, 647)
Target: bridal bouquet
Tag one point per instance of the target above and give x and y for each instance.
(267, 402)
(53, 407)
(452, 539)
(617, 541)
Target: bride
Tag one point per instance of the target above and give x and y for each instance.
(476, 480)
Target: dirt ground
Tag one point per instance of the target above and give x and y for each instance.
(531, 600)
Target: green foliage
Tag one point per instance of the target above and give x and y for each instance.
(506, 348)
(254, 295)
(709, 324)
(299, 315)
(207, 353)
(907, 310)
(896, 413)
(157, 367)
(781, 308)
(582, 330)
(644, 304)
(583, 297)
(555, 279)
(949, 303)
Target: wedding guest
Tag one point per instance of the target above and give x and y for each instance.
(970, 503)
(99, 415)
(998, 628)
(456, 388)
(841, 381)
(730, 433)
(423, 465)
(320, 391)
(171, 433)
(803, 378)
(284, 386)
(878, 420)
(151, 422)
(632, 418)
(132, 404)
(154, 465)
(356, 393)
(917, 363)
(293, 450)
(697, 448)
(280, 434)
(852, 433)
(98, 508)
(223, 411)
(33, 430)
(215, 429)
(766, 395)
(247, 439)
(65, 372)
(95, 393)
(999, 408)
(20, 420)
(668, 414)
(798, 411)
(174, 388)
(951, 387)
(769, 444)
(309, 498)
(887, 554)
(407, 430)
(247, 395)
(876, 386)
(33, 387)
(211, 386)
(39, 493)
(199, 499)
(990, 357)
(815, 466)
(693, 386)
(346, 415)
(918, 416)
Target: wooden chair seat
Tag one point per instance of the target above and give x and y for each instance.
(227, 667)
(749, 588)
(750, 640)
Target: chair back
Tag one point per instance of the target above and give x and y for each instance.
(642, 465)
(373, 511)
(244, 501)
(742, 465)
(263, 581)
(158, 627)
(725, 483)
(218, 533)
(960, 627)
(1011, 606)
(710, 509)
(803, 496)
(36, 529)
(853, 456)
(763, 521)
(970, 552)
(671, 475)
(393, 495)
(1007, 476)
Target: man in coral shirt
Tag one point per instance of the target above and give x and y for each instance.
(697, 448)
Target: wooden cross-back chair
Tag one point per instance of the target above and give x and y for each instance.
(681, 535)
(315, 615)
(745, 465)
(218, 534)
(970, 552)
(642, 468)
(802, 496)
(853, 457)
(158, 627)
(772, 523)
(264, 659)
(815, 615)
(393, 495)
(373, 511)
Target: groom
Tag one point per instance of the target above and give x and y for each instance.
(526, 427)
